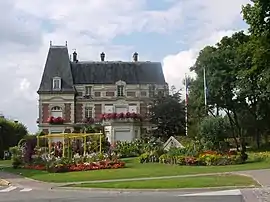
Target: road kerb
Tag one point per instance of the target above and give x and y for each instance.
(205, 189)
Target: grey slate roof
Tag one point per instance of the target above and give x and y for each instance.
(111, 72)
(58, 64)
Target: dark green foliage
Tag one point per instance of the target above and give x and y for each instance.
(10, 134)
(167, 113)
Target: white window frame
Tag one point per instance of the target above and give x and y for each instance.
(87, 89)
(57, 79)
(120, 90)
(88, 112)
(57, 109)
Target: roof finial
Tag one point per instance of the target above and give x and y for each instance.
(50, 43)
(66, 43)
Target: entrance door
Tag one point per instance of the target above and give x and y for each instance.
(124, 135)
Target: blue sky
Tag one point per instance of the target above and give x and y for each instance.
(169, 31)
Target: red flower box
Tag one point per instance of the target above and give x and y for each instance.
(122, 115)
(53, 120)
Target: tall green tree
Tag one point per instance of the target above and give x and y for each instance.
(167, 113)
(10, 134)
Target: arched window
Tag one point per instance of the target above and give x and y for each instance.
(56, 111)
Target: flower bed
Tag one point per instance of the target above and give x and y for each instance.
(56, 168)
(207, 158)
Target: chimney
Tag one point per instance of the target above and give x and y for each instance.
(135, 57)
(102, 56)
(75, 56)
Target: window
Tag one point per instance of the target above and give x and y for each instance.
(143, 94)
(56, 83)
(120, 91)
(108, 109)
(88, 112)
(56, 111)
(88, 90)
(132, 108)
(131, 94)
(152, 90)
(97, 94)
(109, 94)
(120, 109)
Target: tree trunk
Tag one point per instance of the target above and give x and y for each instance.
(233, 131)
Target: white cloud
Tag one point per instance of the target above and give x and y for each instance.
(213, 20)
(27, 26)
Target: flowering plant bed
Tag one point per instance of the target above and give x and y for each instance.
(57, 168)
(206, 158)
(55, 120)
(115, 116)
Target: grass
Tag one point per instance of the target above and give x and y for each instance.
(134, 170)
(184, 182)
(5, 163)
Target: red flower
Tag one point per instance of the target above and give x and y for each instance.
(102, 117)
(128, 115)
(121, 115)
(114, 115)
(50, 119)
(133, 115)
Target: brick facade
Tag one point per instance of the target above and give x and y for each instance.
(79, 113)
(45, 113)
(98, 110)
(143, 109)
(67, 113)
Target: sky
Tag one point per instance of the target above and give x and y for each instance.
(168, 31)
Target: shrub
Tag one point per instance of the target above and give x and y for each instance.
(213, 132)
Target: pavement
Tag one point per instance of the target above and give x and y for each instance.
(25, 189)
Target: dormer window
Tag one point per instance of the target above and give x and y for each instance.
(56, 83)
(120, 90)
(88, 90)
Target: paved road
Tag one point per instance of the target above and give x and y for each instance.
(20, 194)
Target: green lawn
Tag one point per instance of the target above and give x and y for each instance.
(5, 163)
(185, 182)
(134, 170)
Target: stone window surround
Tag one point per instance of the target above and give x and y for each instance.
(60, 83)
(57, 105)
(91, 90)
(120, 83)
(88, 105)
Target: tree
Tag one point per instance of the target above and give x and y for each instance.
(10, 134)
(167, 113)
(222, 65)
(213, 131)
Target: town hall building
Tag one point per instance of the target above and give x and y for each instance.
(73, 92)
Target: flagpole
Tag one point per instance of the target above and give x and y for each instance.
(205, 90)
(186, 102)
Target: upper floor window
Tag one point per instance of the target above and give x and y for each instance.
(120, 90)
(88, 90)
(56, 83)
(152, 90)
(88, 112)
(56, 111)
